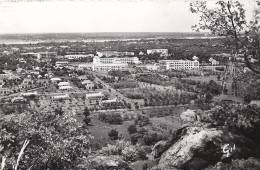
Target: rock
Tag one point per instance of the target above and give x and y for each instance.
(188, 116)
(158, 149)
(114, 162)
(194, 149)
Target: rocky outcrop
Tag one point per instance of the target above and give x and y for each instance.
(193, 150)
(197, 147)
(159, 148)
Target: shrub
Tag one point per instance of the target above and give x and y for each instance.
(151, 138)
(112, 118)
(113, 134)
(132, 129)
(129, 152)
(142, 120)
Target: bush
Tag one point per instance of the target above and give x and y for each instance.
(113, 134)
(130, 153)
(86, 114)
(142, 120)
(125, 149)
(87, 120)
(132, 129)
(151, 138)
(112, 118)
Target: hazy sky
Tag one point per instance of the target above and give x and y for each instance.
(32, 16)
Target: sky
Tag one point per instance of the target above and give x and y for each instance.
(51, 16)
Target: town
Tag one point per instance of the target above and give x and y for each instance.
(141, 100)
(119, 87)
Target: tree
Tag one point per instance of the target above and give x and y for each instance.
(142, 120)
(228, 19)
(56, 141)
(132, 129)
(59, 111)
(86, 114)
(113, 134)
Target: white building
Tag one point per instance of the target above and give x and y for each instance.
(64, 86)
(55, 79)
(94, 98)
(61, 63)
(60, 96)
(64, 83)
(213, 61)
(18, 99)
(99, 64)
(178, 64)
(88, 84)
(27, 94)
(124, 60)
(157, 51)
(152, 67)
(47, 54)
(87, 66)
(114, 53)
(78, 56)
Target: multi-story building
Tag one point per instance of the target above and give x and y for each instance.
(125, 60)
(114, 53)
(108, 64)
(78, 56)
(47, 54)
(178, 64)
(157, 51)
(109, 67)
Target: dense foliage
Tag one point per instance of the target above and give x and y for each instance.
(55, 141)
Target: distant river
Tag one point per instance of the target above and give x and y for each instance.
(94, 37)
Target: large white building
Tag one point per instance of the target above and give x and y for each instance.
(78, 56)
(178, 64)
(124, 60)
(157, 51)
(108, 64)
(114, 53)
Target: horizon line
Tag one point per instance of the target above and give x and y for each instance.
(101, 32)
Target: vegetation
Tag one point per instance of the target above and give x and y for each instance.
(86, 114)
(153, 97)
(228, 19)
(53, 141)
(113, 134)
(112, 118)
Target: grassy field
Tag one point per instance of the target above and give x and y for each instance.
(99, 130)
(163, 124)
